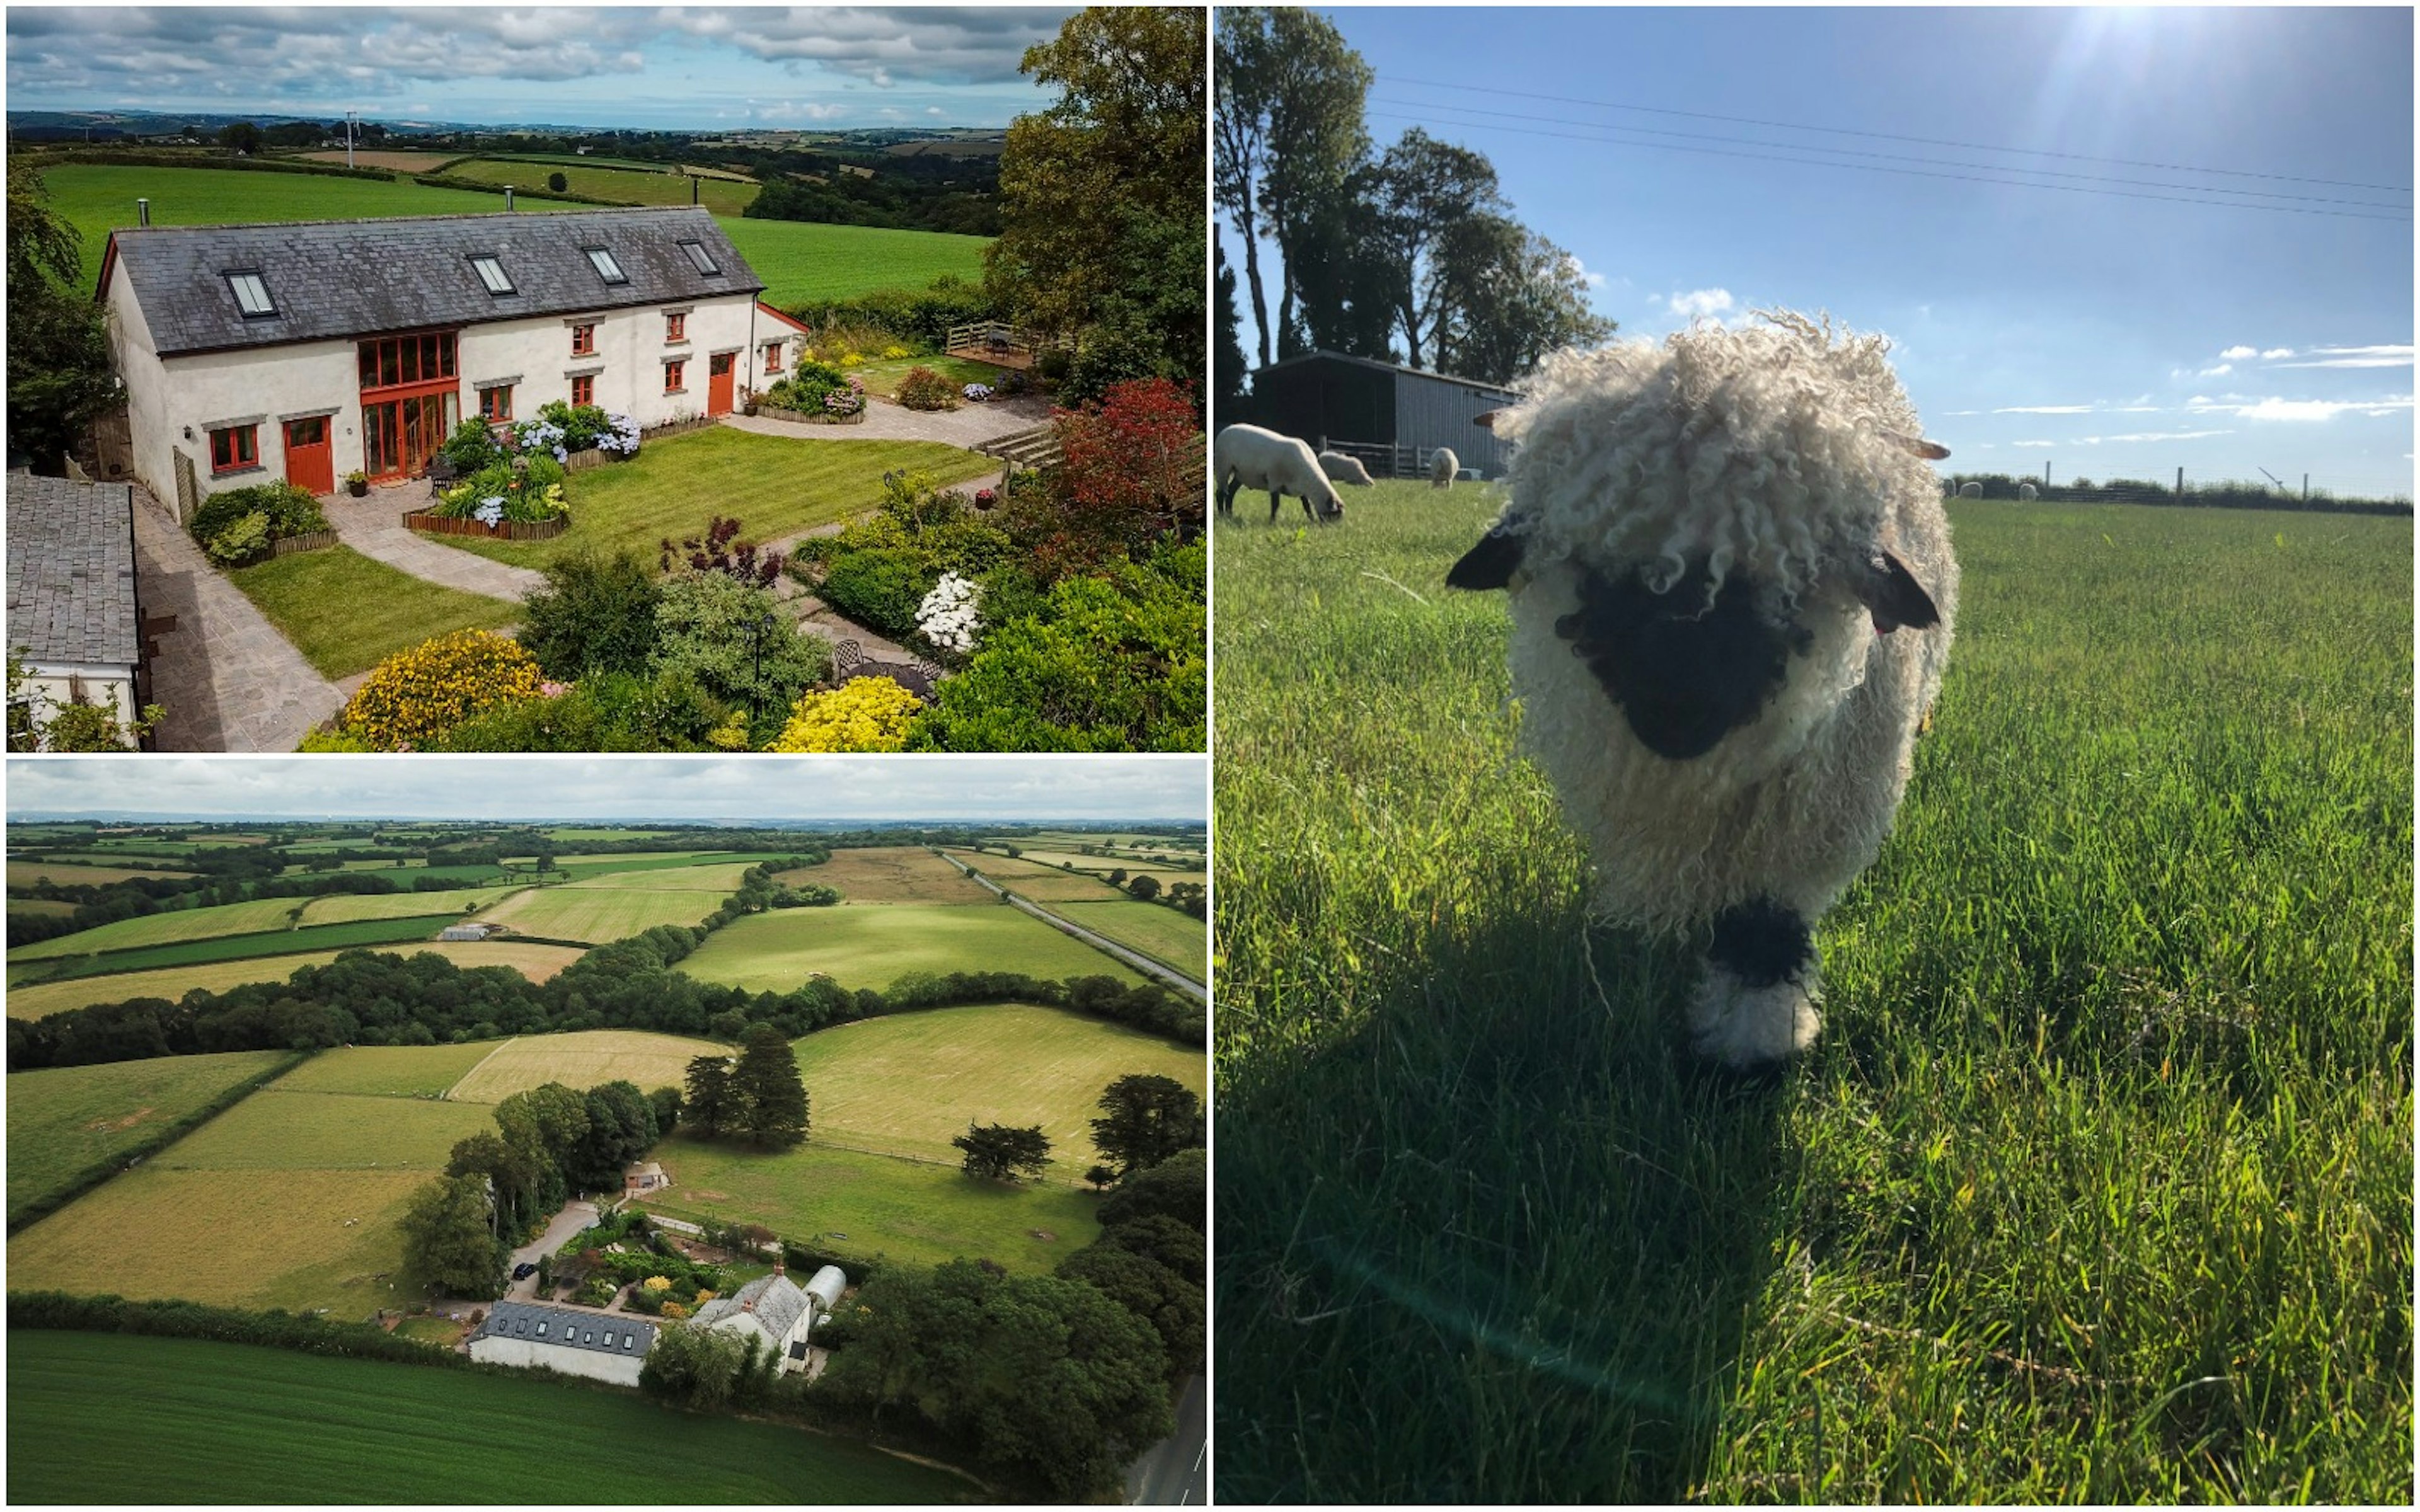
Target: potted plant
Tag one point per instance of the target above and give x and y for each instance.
(357, 483)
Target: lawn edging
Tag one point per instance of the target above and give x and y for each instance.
(428, 521)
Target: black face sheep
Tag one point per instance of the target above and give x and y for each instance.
(1346, 469)
(1247, 457)
(1731, 591)
(1443, 465)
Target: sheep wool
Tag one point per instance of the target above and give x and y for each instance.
(1443, 465)
(1732, 592)
(1247, 457)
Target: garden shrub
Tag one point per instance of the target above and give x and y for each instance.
(1131, 471)
(864, 714)
(594, 615)
(738, 641)
(338, 741)
(286, 510)
(472, 447)
(561, 430)
(417, 695)
(923, 389)
(880, 588)
(1115, 352)
(524, 489)
(607, 712)
(240, 542)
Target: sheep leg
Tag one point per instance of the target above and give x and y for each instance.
(1756, 1001)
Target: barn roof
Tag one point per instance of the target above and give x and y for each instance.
(775, 1299)
(328, 280)
(565, 1328)
(1323, 355)
(71, 572)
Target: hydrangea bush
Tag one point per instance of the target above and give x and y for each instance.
(977, 393)
(948, 619)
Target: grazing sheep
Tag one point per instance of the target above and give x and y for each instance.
(1970, 490)
(2027, 493)
(1247, 457)
(1342, 468)
(1443, 465)
(1731, 594)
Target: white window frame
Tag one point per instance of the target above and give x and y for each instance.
(247, 284)
(702, 259)
(491, 272)
(608, 267)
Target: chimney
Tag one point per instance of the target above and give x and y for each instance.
(508, 199)
(142, 212)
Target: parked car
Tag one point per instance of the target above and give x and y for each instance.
(524, 1270)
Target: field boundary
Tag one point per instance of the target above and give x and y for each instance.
(447, 1096)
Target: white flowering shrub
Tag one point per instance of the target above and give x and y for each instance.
(948, 617)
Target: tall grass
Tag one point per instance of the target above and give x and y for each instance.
(2097, 1187)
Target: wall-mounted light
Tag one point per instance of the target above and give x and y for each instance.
(189, 433)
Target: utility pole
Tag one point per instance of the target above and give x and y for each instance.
(2180, 486)
(349, 138)
(2306, 487)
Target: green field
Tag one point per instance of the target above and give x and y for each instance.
(346, 612)
(341, 907)
(904, 1211)
(774, 486)
(240, 1423)
(600, 915)
(168, 928)
(722, 876)
(386, 1069)
(585, 1059)
(625, 185)
(362, 932)
(43, 907)
(281, 1130)
(63, 1121)
(536, 961)
(69, 875)
(799, 261)
(907, 1084)
(1162, 933)
(2097, 1187)
(776, 952)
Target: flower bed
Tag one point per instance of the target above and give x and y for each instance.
(510, 529)
(236, 527)
(806, 417)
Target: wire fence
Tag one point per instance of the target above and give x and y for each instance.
(2180, 492)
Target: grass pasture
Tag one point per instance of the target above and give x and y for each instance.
(600, 915)
(706, 876)
(41, 907)
(245, 1423)
(281, 1130)
(536, 961)
(64, 1120)
(346, 612)
(2097, 1186)
(1162, 933)
(805, 260)
(346, 907)
(423, 1070)
(365, 932)
(69, 875)
(585, 1059)
(874, 946)
(170, 928)
(892, 874)
(623, 185)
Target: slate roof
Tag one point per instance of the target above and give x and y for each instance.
(342, 279)
(568, 1329)
(775, 1299)
(71, 571)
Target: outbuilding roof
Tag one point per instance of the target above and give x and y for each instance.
(205, 289)
(562, 1327)
(775, 1299)
(1323, 355)
(71, 572)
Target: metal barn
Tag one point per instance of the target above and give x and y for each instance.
(1391, 417)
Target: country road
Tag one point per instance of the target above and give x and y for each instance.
(1140, 962)
(1176, 1471)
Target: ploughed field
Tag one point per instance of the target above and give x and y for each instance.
(244, 1423)
(778, 951)
(2098, 1185)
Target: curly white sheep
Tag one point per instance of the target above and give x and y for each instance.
(1247, 457)
(1731, 591)
(1346, 469)
(2027, 493)
(1970, 490)
(1443, 465)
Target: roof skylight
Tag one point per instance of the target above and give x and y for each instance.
(607, 269)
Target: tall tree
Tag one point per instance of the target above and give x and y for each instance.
(707, 1107)
(510, 1170)
(59, 376)
(1428, 196)
(998, 1152)
(1519, 297)
(448, 1241)
(1227, 350)
(768, 1085)
(1146, 1120)
(621, 1128)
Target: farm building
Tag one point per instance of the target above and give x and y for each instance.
(452, 933)
(778, 1311)
(309, 349)
(72, 612)
(602, 1346)
(642, 1177)
(1353, 405)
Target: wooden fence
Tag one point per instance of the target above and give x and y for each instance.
(435, 524)
(316, 541)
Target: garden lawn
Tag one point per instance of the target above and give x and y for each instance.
(346, 612)
(623, 185)
(778, 951)
(600, 915)
(536, 961)
(65, 1120)
(423, 1070)
(243, 1423)
(868, 1207)
(339, 907)
(2097, 1187)
(581, 1060)
(907, 1084)
(1158, 932)
(892, 874)
(168, 927)
(774, 486)
(882, 375)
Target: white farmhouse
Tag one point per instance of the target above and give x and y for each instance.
(602, 1346)
(777, 1311)
(309, 349)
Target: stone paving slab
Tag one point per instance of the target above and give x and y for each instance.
(374, 527)
(968, 425)
(229, 681)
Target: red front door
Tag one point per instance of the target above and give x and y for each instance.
(309, 465)
(718, 384)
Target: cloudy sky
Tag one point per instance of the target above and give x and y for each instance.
(699, 67)
(743, 789)
(2109, 335)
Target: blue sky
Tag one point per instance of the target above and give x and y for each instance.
(2109, 337)
(741, 789)
(686, 67)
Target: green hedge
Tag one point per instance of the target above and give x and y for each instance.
(435, 181)
(114, 157)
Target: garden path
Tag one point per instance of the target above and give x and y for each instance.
(374, 527)
(968, 425)
(226, 678)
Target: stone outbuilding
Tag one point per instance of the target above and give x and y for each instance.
(642, 1177)
(775, 1310)
(73, 613)
(601, 1346)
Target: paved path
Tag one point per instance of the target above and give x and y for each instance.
(574, 1217)
(227, 679)
(374, 527)
(968, 425)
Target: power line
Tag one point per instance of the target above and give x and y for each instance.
(1914, 173)
(1899, 157)
(1890, 136)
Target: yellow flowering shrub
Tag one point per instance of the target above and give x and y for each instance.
(674, 1310)
(891, 354)
(852, 359)
(866, 713)
(730, 734)
(426, 691)
(657, 1283)
(705, 1295)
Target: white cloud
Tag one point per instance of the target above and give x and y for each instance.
(1579, 270)
(2045, 409)
(2275, 352)
(1701, 301)
(2031, 445)
(932, 109)
(2303, 410)
(2237, 354)
(2356, 357)
(2220, 371)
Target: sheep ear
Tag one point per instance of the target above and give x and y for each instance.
(1891, 593)
(1490, 563)
(1930, 450)
(1487, 421)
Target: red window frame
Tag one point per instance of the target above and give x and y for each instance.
(675, 371)
(772, 357)
(496, 402)
(584, 390)
(234, 449)
(583, 341)
(677, 326)
(406, 362)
